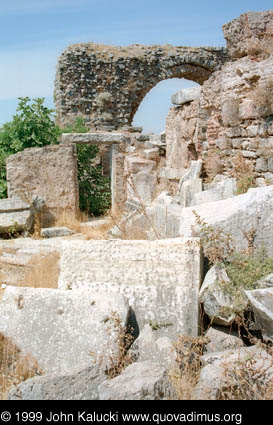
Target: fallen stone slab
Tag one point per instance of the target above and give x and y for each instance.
(243, 213)
(19, 256)
(95, 138)
(160, 278)
(224, 370)
(148, 347)
(261, 301)
(61, 328)
(222, 339)
(219, 190)
(56, 232)
(186, 95)
(139, 381)
(217, 300)
(13, 214)
(79, 384)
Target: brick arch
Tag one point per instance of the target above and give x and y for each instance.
(106, 84)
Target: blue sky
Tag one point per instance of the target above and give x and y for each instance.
(33, 33)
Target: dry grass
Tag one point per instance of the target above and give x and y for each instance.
(43, 271)
(243, 171)
(185, 374)
(14, 366)
(118, 359)
(66, 218)
(262, 97)
(248, 379)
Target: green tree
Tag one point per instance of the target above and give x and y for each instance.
(32, 126)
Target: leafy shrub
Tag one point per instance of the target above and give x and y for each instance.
(33, 126)
(94, 187)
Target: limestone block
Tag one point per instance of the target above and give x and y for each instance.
(224, 369)
(222, 339)
(188, 190)
(56, 232)
(18, 257)
(160, 278)
(60, 328)
(192, 173)
(242, 213)
(50, 172)
(261, 301)
(270, 165)
(171, 173)
(95, 138)
(139, 381)
(186, 95)
(13, 213)
(220, 190)
(261, 165)
(230, 112)
(217, 300)
(166, 219)
(150, 153)
(148, 347)
(78, 384)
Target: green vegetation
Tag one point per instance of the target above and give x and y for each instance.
(34, 126)
(244, 268)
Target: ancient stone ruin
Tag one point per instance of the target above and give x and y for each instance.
(106, 84)
(156, 300)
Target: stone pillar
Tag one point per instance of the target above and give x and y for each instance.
(118, 187)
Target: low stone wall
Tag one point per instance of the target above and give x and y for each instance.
(50, 172)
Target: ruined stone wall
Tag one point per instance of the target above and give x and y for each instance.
(50, 172)
(234, 116)
(106, 84)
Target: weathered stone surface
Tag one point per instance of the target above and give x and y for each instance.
(222, 339)
(139, 381)
(18, 257)
(171, 173)
(243, 213)
(160, 278)
(16, 214)
(79, 384)
(50, 172)
(55, 232)
(217, 301)
(252, 32)
(148, 347)
(186, 95)
(151, 153)
(82, 88)
(188, 190)
(261, 301)
(13, 213)
(47, 322)
(95, 138)
(225, 369)
(192, 173)
(181, 132)
(218, 190)
(141, 180)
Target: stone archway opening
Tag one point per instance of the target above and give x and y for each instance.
(106, 84)
(153, 110)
